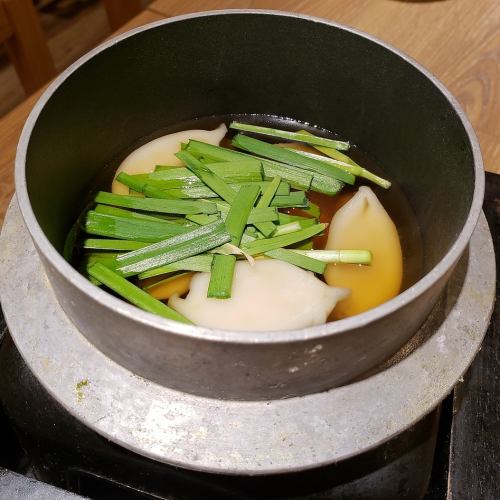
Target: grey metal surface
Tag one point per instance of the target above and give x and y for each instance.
(16, 487)
(161, 75)
(259, 437)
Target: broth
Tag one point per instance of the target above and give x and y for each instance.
(392, 199)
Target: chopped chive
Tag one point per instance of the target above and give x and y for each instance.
(199, 263)
(269, 193)
(293, 136)
(290, 157)
(257, 214)
(121, 212)
(142, 187)
(107, 244)
(221, 277)
(295, 176)
(267, 244)
(131, 182)
(212, 180)
(294, 199)
(268, 228)
(156, 205)
(107, 259)
(263, 214)
(312, 210)
(287, 218)
(339, 256)
(326, 185)
(191, 192)
(102, 257)
(347, 163)
(298, 178)
(241, 170)
(239, 212)
(303, 245)
(351, 167)
(202, 219)
(125, 228)
(133, 294)
(291, 227)
(244, 169)
(197, 191)
(194, 242)
(303, 261)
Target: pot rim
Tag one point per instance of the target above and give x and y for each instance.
(133, 313)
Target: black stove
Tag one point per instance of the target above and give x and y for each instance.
(45, 453)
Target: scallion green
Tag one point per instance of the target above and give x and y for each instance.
(156, 205)
(133, 294)
(194, 242)
(292, 136)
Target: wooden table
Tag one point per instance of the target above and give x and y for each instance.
(458, 40)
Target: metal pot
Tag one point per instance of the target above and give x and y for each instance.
(262, 62)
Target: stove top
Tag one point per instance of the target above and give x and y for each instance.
(451, 453)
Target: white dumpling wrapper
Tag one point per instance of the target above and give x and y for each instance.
(269, 295)
(161, 151)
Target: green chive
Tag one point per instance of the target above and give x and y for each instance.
(199, 263)
(287, 218)
(213, 181)
(196, 191)
(107, 259)
(295, 176)
(291, 227)
(194, 242)
(130, 229)
(348, 164)
(290, 157)
(339, 256)
(121, 212)
(107, 244)
(133, 294)
(241, 170)
(267, 244)
(303, 261)
(267, 228)
(142, 187)
(221, 277)
(351, 167)
(312, 210)
(156, 205)
(237, 217)
(257, 214)
(292, 136)
(202, 219)
(294, 199)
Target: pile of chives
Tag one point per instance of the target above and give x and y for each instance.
(220, 206)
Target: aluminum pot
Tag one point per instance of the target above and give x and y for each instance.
(244, 61)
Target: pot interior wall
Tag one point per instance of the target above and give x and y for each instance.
(253, 63)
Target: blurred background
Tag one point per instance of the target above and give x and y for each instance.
(68, 29)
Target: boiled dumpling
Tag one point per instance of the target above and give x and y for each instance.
(269, 295)
(162, 151)
(362, 223)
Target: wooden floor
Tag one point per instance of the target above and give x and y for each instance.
(72, 28)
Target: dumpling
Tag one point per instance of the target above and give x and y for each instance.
(162, 151)
(269, 295)
(362, 223)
